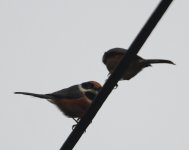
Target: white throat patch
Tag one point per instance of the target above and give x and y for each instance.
(87, 90)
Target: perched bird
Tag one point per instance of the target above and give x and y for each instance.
(112, 57)
(72, 101)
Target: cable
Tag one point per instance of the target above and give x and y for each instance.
(116, 75)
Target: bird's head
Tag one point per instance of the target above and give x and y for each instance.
(90, 89)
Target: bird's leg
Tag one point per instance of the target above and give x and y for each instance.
(76, 120)
(115, 87)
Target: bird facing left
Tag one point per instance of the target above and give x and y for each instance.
(72, 101)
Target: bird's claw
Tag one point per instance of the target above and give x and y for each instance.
(115, 87)
(77, 121)
(73, 127)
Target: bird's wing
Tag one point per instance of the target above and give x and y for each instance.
(71, 92)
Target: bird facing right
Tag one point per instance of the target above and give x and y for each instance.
(72, 101)
(112, 57)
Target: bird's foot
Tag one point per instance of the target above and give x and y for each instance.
(77, 121)
(116, 86)
(73, 127)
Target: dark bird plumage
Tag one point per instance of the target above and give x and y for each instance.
(72, 101)
(112, 57)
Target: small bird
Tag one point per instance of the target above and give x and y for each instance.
(112, 57)
(72, 101)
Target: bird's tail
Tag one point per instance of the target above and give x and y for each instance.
(45, 96)
(156, 61)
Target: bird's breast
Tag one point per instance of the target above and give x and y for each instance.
(73, 107)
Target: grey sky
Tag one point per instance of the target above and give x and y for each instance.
(49, 45)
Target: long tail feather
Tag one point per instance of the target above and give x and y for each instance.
(45, 96)
(154, 61)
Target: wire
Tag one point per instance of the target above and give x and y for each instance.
(116, 75)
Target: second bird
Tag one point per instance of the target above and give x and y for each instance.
(112, 58)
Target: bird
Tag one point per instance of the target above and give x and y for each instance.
(112, 57)
(73, 101)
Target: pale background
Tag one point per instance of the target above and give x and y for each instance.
(47, 45)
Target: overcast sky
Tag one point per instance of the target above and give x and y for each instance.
(48, 45)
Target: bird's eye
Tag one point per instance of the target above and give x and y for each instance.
(87, 85)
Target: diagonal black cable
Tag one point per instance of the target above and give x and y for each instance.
(116, 75)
